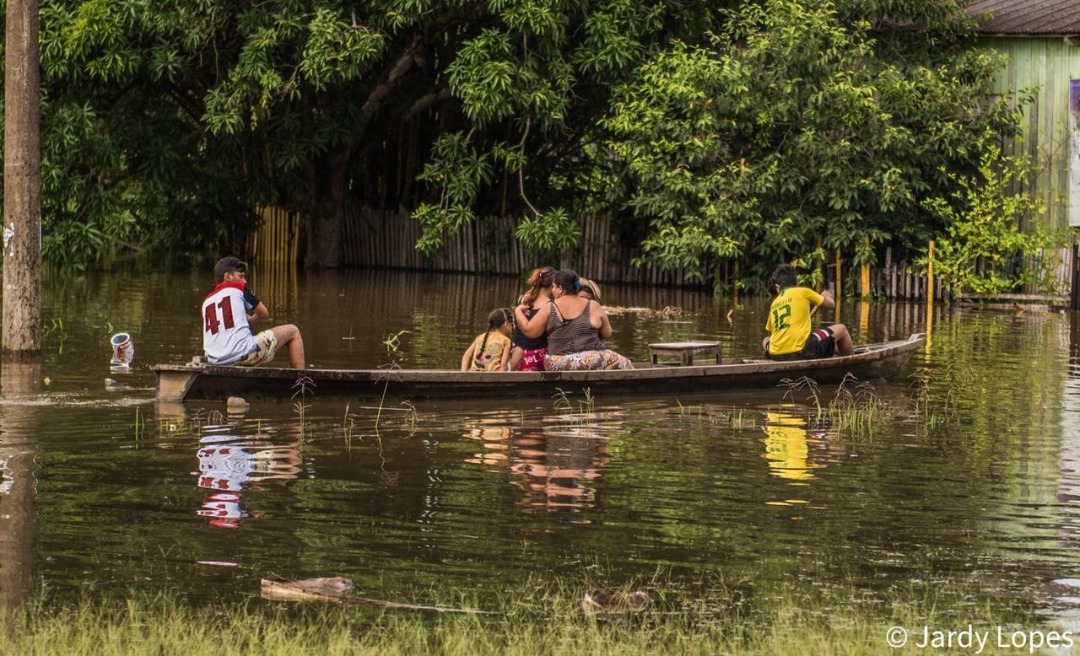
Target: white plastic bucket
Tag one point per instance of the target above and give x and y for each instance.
(123, 349)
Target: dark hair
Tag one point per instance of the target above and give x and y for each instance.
(228, 265)
(783, 275)
(568, 280)
(538, 279)
(499, 317)
(495, 319)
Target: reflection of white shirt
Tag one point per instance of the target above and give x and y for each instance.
(7, 479)
(223, 505)
(225, 467)
(226, 334)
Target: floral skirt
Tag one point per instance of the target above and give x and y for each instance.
(605, 359)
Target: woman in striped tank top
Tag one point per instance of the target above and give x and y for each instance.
(574, 326)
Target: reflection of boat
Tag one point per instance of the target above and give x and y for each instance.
(182, 382)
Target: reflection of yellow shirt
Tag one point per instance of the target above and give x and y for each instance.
(786, 448)
(491, 357)
(789, 319)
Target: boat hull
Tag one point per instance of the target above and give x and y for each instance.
(187, 382)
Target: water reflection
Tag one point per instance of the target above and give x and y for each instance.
(966, 490)
(795, 447)
(555, 464)
(230, 465)
(18, 451)
(1068, 485)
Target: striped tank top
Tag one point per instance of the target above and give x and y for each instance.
(573, 335)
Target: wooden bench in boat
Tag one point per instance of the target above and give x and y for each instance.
(686, 351)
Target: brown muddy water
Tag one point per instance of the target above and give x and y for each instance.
(972, 475)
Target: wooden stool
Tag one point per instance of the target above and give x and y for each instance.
(686, 351)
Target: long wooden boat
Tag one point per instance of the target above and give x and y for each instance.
(185, 382)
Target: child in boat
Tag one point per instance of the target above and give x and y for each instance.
(791, 335)
(490, 351)
(589, 290)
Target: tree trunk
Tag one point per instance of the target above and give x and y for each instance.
(22, 328)
(18, 516)
(326, 220)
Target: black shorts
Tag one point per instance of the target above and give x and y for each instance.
(820, 344)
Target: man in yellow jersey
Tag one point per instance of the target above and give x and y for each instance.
(790, 337)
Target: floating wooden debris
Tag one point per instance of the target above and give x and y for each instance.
(669, 312)
(335, 588)
(603, 601)
(319, 589)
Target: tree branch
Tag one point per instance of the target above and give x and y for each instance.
(425, 101)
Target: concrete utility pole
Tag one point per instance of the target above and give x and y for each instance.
(22, 329)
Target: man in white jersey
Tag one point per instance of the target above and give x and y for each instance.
(227, 314)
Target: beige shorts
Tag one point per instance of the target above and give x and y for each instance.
(265, 350)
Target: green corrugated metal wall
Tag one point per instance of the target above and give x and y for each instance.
(1047, 64)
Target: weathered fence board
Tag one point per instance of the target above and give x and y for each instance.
(387, 239)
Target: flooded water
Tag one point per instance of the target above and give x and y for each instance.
(972, 475)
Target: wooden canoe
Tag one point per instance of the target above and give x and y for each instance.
(184, 382)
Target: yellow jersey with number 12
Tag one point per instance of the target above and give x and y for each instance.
(789, 319)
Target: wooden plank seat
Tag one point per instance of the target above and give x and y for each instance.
(686, 351)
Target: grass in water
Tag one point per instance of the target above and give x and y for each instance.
(532, 618)
(586, 408)
(937, 395)
(348, 426)
(854, 408)
(302, 389)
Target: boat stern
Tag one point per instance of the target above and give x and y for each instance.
(172, 383)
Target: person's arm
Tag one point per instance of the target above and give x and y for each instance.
(827, 300)
(260, 313)
(258, 310)
(466, 360)
(536, 326)
(505, 358)
(769, 328)
(605, 322)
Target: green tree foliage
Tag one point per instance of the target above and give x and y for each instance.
(715, 129)
(984, 239)
(532, 88)
(803, 119)
(126, 165)
(201, 109)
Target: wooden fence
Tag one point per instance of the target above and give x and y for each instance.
(277, 240)
(902, 280)
(377, 238)
(385, 239)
